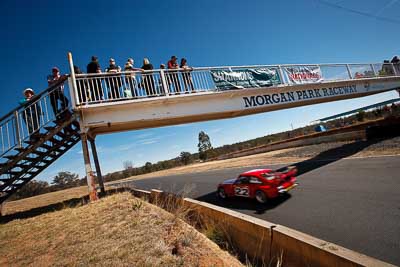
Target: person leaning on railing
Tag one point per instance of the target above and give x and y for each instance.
(387, 69)
(147, 78)
(160, 89)
(31, 114)
(172, 75)
(187, 77)
(396, 64)
(113, 82)
(130, 77)
(57, 94)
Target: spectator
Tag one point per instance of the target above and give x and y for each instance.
(130, 77)
(147, 78)
(160, 85)
(96, 90)
(393, 108)
(31, 114)
(57, 94)
(358, 75)
(187, 77)
(173, 74)
(396, 64)
(113, 82)
(82, 87)
(387, 68)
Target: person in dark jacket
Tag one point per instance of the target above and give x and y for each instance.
(396, 64)
(31, 114)
(187, 77)
(95, 88)
(387, 68)
(57, 94)
(147, 78)
(113, 82)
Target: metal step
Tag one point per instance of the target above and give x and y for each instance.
(49, 128)
(55, 143)
(20, 149)
(45, 146)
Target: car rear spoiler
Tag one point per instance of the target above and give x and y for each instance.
(288, 171)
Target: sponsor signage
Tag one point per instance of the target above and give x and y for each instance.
(245, 78)
(303, 74)
(300, 95)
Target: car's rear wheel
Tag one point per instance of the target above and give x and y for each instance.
(221, 193)
(261, 197)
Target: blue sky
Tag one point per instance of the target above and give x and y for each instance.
(36, 35)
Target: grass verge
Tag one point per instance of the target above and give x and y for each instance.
(119, 230)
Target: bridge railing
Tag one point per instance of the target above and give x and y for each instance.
(111, 87)
(27, 120)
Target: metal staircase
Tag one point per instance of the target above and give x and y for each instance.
(32, 138)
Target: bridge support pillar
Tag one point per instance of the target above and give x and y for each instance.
(97, 165)
(89, 173)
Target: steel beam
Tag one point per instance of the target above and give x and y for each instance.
(97, 165)
(89, 173)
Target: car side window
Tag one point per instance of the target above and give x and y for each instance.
(255, 180)
(242, 180)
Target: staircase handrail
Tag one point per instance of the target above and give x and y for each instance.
(37, 96)
(13, 131)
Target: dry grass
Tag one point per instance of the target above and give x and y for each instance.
(119, 230)
(44, 200)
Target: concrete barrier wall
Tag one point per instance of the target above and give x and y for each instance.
(347, 136)
(264, 241)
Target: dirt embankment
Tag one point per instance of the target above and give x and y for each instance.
(119, 230)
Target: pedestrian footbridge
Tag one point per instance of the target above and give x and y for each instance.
(107, 103)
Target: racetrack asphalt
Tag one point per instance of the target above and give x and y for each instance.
(352, 202)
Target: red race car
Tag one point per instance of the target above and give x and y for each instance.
(261, 184)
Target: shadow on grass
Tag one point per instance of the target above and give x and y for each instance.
(40, 210)
(70, 203)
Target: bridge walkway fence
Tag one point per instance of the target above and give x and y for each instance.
(135, 85)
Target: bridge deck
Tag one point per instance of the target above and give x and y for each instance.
(136, 100)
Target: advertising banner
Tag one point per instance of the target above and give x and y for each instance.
(303, 74)
(245, 78)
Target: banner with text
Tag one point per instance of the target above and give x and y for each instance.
(303, 74)
(245, 78)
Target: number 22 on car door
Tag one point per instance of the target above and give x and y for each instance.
(241, 187)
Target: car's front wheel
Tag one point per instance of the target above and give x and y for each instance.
(221, 193)
(261, 197)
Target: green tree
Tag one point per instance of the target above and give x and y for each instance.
(65, 180)
(204, 145)
(148, 167)
(185, 158)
